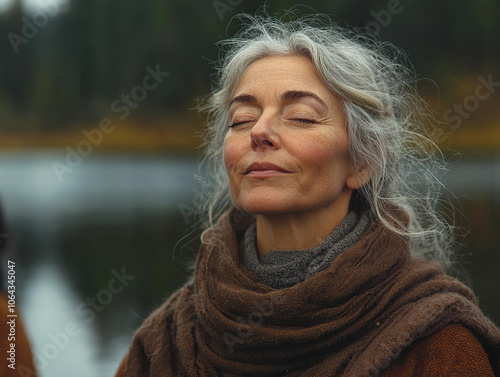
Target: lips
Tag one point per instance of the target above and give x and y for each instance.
(264, 167)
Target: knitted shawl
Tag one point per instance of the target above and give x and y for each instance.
(351, 319)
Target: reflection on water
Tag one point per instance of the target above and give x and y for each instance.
(98, 251)
(48, 306)
(112, 215)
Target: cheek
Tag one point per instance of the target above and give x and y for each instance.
(232, 157)
(325, 158)
(319, 156)
(231, 153)
(317, 153)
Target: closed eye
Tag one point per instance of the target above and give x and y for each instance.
(236, 124)
(300, 120)
(307, 121)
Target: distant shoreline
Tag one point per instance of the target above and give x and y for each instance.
(180, 138)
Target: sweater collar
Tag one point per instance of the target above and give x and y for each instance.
(283, 269)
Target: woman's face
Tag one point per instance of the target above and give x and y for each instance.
(286, 149)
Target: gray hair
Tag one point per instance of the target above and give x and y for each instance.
(386, 119)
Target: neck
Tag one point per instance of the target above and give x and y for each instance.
(297, 230)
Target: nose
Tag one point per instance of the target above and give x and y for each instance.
(264, 134)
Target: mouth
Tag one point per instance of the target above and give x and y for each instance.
(264, 169)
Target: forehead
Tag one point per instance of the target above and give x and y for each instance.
(289, 72)
(271, 78)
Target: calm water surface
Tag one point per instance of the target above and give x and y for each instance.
(97, 251)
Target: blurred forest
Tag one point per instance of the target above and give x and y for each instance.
(65, 73)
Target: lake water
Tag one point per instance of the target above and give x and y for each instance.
(97, 251)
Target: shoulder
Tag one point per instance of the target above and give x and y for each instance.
(164, 313)
(155, 337)
(452, 351)
(162, 317)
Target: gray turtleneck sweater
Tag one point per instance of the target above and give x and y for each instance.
(282, 269)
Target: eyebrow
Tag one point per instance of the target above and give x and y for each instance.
(290, 95)
(243, 98)
(294, 95)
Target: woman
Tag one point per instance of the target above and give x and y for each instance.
(329, 261)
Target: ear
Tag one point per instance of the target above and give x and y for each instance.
(359, 178)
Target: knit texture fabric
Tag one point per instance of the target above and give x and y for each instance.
(352, 319)
(285, 268)
(453, 351)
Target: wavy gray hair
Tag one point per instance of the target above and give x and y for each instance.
(386, 119)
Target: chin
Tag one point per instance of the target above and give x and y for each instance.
(264, 205)
(266, 210)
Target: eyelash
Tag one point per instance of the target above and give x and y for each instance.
(306, 121)
(235, 124)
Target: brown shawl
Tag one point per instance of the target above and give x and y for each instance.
(351, 319)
